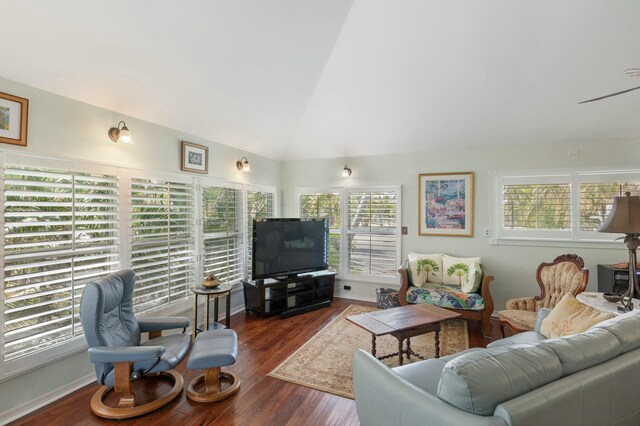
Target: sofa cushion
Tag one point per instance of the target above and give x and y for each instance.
(527, 337)
(425, 268)
(445, 297)
(626, 328)
(423, 374)
(570, 316)
(449, 357)
(523, 319)
(581, 351)
(464, 272)
(478, 381)
(426, 374)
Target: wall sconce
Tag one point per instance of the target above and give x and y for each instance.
(346, 172)
(243, 166)
(120, 134)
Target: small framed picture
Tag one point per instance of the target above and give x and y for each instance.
(14, 113)
(194, 158)
(446, 204)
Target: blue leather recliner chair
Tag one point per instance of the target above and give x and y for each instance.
(113, 335)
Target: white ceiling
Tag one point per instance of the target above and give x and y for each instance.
(293, 79)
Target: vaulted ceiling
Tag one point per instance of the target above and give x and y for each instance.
(292, 79)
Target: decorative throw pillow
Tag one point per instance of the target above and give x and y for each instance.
(570, 316)
(462, 271)
(425, 268)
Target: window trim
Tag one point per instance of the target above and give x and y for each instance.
(574, 237)
(344, 192)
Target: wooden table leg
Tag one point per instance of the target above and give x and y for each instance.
(206, 314)
(400, 357)
(373, 345)
(195, 316)
(437, 338)
(228, 318)
(215, 309)
(409, 348)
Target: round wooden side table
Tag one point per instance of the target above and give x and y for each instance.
(223, 290)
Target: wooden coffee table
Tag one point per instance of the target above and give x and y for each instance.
(403, 323)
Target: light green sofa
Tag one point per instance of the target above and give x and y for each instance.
(591, 378)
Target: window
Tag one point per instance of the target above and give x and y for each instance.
(325, 205)
(60, 231)
(260, 205)
(222, 230)
(162, 241)
(373, 227)
(568, 206)
(62, 223)
(363, 228)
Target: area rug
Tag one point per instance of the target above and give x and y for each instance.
(324, 361)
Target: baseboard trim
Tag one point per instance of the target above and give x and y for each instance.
(49, 397)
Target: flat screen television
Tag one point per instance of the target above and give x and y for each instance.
(288, 247)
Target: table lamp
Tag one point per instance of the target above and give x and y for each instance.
(625, 219)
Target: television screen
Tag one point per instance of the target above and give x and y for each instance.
(286, 247)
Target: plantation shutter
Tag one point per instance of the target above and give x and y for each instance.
(222, 230)
(372, 232)
(259, 206)
(60, 232)
(325, 205)
(596, 201)
(162, 241)
(537, 206)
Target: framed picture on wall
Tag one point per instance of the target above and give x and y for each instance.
(446, 204)
(14, 112)
(194, 158)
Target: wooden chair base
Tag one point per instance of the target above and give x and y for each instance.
(126, 408)
(213, 379)
(504, 325)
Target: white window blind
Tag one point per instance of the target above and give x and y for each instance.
(372, 233)
(60, 231)
(259, 206)
(559, 206)
(537, 206)
(325, 205)
(596, 200)
(222, 230)
(162, 241)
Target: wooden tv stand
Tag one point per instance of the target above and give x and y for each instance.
(289, 296)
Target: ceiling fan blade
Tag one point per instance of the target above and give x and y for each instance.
(608, 96)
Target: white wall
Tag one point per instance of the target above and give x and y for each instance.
(513, 266)
(63, 128)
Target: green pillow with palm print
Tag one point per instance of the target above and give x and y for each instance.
(462, 271)
(425, 268)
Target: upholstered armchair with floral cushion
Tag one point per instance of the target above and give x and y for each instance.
(566, 274)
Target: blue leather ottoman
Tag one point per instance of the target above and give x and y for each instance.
(212, 350)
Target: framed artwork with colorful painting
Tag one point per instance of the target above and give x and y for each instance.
(14, 112)
(446, 204)
(194, 158)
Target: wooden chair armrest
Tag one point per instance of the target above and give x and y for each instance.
(404, 284)
(485, 292)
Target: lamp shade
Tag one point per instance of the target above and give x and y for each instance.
(624, 217)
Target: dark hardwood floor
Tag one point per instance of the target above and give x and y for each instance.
(261, 400)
